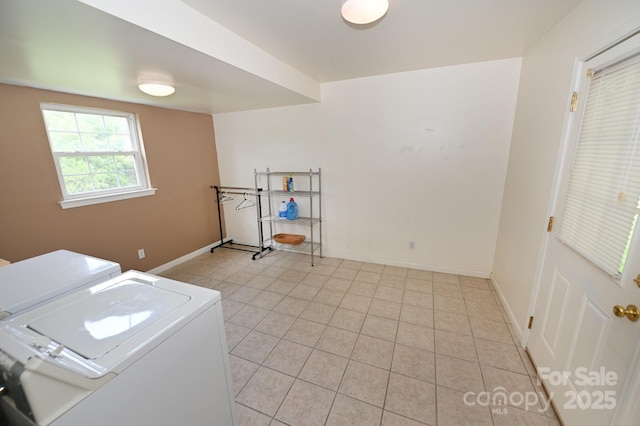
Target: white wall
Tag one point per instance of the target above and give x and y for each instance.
(416, 156)
(543, 99)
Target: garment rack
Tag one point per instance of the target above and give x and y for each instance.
(223, 190)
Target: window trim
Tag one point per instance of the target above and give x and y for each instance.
(108, 195)
(106, 198)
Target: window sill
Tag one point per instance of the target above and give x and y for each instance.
(79, 202)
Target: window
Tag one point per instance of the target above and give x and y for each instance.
(98, 154)
(603, 201)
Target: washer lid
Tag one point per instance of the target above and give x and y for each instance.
(103, 320)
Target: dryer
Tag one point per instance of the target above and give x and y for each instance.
(32, 281)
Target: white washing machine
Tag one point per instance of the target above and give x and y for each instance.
(132, 350)
(30, 282)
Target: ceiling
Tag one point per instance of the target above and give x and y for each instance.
(231, 55)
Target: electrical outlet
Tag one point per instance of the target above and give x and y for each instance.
(412, 245)
(141, 254)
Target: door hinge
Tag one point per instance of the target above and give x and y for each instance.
(530, 323)
(550, 224)
(574, 102)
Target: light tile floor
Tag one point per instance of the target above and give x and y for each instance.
(351, 343)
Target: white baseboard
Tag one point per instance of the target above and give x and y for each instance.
(453, 271)
(512, 317)
(182, 259)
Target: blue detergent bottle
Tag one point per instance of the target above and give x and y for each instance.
(282, 212)
(292, 210)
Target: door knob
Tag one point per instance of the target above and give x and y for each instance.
(631, 312)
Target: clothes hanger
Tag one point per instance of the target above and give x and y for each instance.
(225, 198)
(245, 203)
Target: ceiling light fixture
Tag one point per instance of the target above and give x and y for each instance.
(157, 89)
(364, 11)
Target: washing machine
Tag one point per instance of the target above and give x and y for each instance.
(135, 349)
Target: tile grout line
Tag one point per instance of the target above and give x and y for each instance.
(229, 262)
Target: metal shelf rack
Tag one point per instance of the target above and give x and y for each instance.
(310, 196)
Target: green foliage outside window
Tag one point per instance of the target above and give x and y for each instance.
(95, 151)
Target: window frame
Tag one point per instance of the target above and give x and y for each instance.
(144, 187)
(583, 232)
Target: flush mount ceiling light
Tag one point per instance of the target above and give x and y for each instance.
(364, 11)
(157, 89)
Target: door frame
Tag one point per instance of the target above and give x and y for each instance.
(561, 157)
(626, 410)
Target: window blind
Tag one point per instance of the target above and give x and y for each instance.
(603, 196)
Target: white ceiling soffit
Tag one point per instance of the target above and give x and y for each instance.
(231, 55)
(414, 34)
(68, 46)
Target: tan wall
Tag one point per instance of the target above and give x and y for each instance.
(180, 218)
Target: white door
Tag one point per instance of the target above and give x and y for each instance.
(586, 355)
